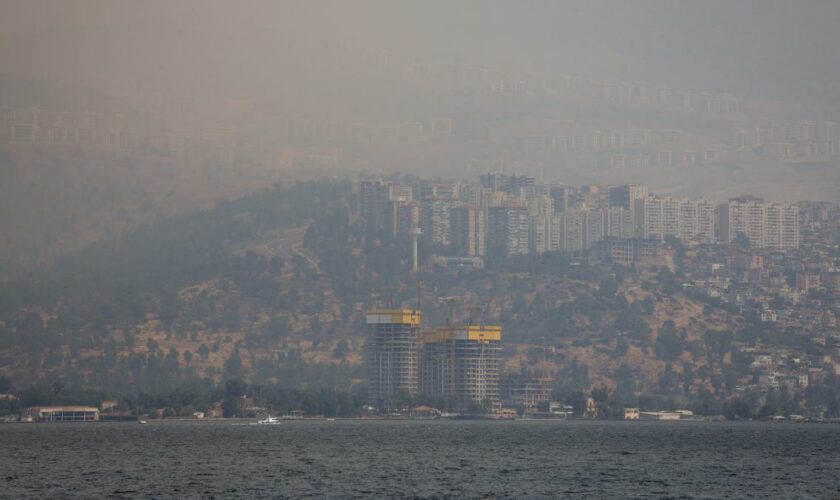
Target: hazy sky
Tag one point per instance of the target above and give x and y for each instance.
(722, 43)
(259, 76)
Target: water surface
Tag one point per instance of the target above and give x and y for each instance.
(421, 458)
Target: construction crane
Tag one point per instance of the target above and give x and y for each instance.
(476, 315)
(421, 287)
(545, 380)
(386, 293)
(452, 300)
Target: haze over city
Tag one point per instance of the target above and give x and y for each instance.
(456, 228)
(290, 90)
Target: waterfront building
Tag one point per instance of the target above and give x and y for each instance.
(63, 413)
(659, 415)
(392, 354)
(523, 392)
(461, 364)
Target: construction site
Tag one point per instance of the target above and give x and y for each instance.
(392, 355)
(457, 365)
(461, 364)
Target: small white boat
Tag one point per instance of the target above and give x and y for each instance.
(269, 420)
(142, 422)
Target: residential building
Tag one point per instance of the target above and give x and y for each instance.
(625, 195)
(392, 354)
(372, 196)
(508, 230)
(619, 222)
(380, 202)
(560, 194)
(435, 219)
(63, 413)
(626, 251)
(526, 392)
(660, 217)
(461, 364)
(469, 230)
(765, 225)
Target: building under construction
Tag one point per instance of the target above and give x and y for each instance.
(461, 364)
(392, 355)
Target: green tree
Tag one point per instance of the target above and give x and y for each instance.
(667, 378)
(5, 384)
(233, 365)
(341, 349)
(669, 345)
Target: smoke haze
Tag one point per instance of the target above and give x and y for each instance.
(216, 99)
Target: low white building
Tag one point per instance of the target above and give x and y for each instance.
(659, 415)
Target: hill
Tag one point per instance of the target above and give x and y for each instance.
(270, 289)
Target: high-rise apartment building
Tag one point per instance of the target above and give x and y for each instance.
(581, 228)
(380, 202)
(494, 182)
(593, 227)
(659, 217)
(540, 205)
(435, 219)
(400, 217)
(461, 364)
(697, 221)
(765, 225)
(469, 230)
(372, 197)
(626, 195)
(573, 230)
(473, 194)
(522, 186)
(560, 194)
(399, 192)
(392, 354)
(539, 234)
(545, 233)
(507, 230)
(619, 223)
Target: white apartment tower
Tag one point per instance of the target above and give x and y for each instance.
(687, 220)
(765, 225)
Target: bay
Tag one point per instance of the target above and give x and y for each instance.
(458, 459)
